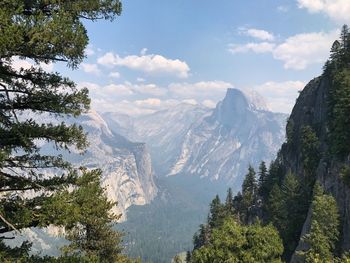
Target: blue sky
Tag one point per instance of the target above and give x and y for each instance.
(160, 53)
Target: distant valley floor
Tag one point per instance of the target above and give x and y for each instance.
(158, 231)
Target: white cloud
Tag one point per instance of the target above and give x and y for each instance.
(153, 64)
(90, 68)
(263, 47)
(280, 96)
(299, 51)
(142, 107)
(151, 102)
(89, 51)
(140, 80)
(296, 52)
(115, 75)
(209, 103)
(338, 10)
(18, 64)
(259, 34)
(203, 89)
(150, 89)
(190, 101)
(114, 92)
(47, 67)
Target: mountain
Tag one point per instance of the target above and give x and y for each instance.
(234, 135)
(163, 131)
(126, 166)
(127, 175)
(312, 109)
(217, 143)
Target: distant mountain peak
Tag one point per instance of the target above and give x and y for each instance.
(234, 106)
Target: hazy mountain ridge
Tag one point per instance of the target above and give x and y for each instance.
(218, 143)
(126, 166)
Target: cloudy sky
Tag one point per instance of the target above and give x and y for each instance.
(159, 53)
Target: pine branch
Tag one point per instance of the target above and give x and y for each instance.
(9, 224)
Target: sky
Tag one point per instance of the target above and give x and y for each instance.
(161, 53)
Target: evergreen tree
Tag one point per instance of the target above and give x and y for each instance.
(238, 205)
(188, 257)
(249, 192)
(310, 153)
(90, 226)
(217, 212)
(337, 71)
(229, 206)
(262, 184)
(202, 237)
(232, 242)
(43, 32)
(324, 232)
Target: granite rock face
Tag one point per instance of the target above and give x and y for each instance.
(126, 166)
(216, 143)
(311, 109)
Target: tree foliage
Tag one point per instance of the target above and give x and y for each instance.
(324, 232)
(337, 69)
(232, 242)
(33, 35)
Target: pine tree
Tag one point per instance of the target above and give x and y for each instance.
(90, 227)
(262, 184)
(217, 212)
(249, 191)
(310, 153)
(324, 232)
(188, 257)
(229, 206)
(202, 237)
(41, 32)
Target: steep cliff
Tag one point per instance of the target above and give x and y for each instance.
(126, 166)
(312, 110)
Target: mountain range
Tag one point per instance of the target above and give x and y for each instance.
(216, 143)
(186, 140)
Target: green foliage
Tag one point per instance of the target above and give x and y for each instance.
(339, 112)
(338, 71)
(324, 231)
(89, 220)
(232, 242)
(263, 176)
(41, 32)
(249, 194)
(287, 209)
(290, 131)
(229, 203)
(310, 153)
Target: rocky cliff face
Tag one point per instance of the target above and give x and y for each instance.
(235, 134)
(311, 109)
(126, 166)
